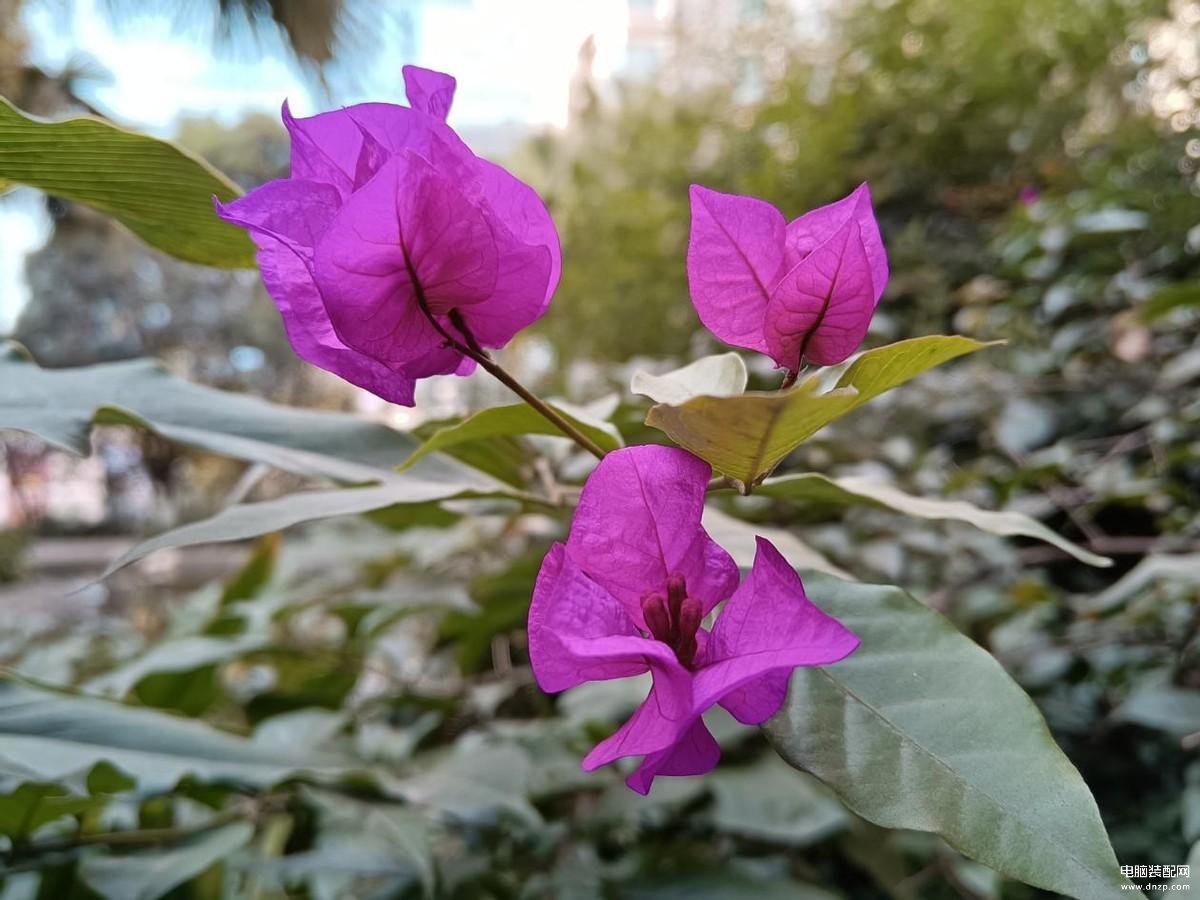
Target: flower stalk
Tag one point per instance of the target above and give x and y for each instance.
(470, 348)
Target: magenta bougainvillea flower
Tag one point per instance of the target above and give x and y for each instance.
(800, 291)
(628, 593)
(391, 236)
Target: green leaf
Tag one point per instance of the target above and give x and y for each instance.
(723, 375)
(248, 520)
(922, 729)
(505, 458)
(47, 736)
(61, 405)
(474, 784)
(1168, 299)
(255, 574)
(502, 605)
(1192, 879)
(159, 192)
(1174, 710)
(510, 421)
(369, 838)
(182, 655)
(149, 874)
(191, 693)
(108, 779)
(720, 884)
(308, 728)
(31, 805)
(738, 538)
(746, 437)
(818, 489)
(770, 802)
(1176, 571)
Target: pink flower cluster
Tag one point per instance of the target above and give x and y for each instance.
(627, 594)
(394, 253)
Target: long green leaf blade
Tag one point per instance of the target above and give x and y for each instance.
(853, 491)
(922, 729)
(159, 192)
(248, 520)
(61, 406)
(48, 735)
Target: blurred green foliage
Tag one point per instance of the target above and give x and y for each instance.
(949, 110)
(1037, 184)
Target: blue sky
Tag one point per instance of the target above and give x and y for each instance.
(513, 60)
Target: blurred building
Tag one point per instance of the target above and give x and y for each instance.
(679, 44)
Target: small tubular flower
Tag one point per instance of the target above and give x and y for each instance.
(627, 593)
(391, 242)
(800, 291)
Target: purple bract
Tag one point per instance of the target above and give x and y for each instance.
(800, 291)
(627, 594)
(391, 237)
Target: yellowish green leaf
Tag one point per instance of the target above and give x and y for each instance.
(746, 437)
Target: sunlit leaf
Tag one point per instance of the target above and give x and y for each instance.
(747, 436)
(737, 537)
(813, 488)
(921, 729)
(159, 192)
(723, 375)
(307, 728)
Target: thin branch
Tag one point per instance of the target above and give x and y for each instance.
(145, 837)
(470, 347)
(720, 483)
(1132, 545)
(547, 412)
(550, 484)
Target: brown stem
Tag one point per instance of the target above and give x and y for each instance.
(146, 837)
(470, 347)
(792, 376)
(719, 483)
(548, 412)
